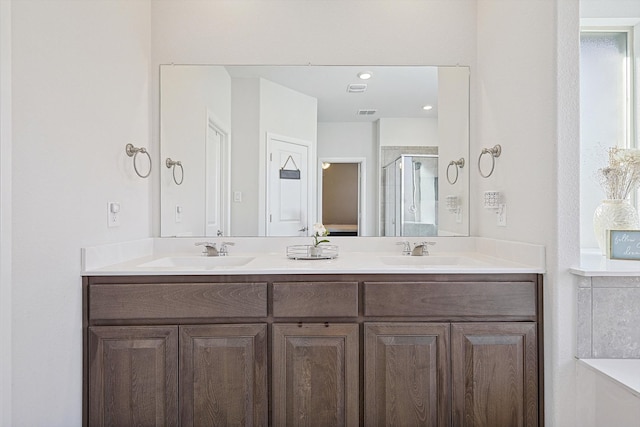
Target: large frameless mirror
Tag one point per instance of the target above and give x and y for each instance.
(271, 150)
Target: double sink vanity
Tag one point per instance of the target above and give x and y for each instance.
(369, 338)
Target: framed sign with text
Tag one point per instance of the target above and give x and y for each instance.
(623, 244)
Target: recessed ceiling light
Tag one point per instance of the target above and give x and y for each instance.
(365, 75)
(427, 107)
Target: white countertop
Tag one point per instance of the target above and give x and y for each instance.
(456, 256)
(593, 263)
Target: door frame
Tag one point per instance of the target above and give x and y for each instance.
(263, 190)
(362, 185)
(214, 123)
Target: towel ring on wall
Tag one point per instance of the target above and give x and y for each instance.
(133, 152)
(171, 164)
(495, 151)
(459, 164)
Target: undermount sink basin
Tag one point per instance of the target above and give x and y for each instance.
(430, 260)
(198, 262)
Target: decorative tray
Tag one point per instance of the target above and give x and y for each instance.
(311, 252)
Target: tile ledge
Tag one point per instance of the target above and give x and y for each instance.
(592, 264)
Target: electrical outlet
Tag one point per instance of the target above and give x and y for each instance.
(113, 214)
(502, 215)
(178, 213)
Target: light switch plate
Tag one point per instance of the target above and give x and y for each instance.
(178, 213)
(502, 215)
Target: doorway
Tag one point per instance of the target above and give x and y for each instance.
(341, 196)
(216, 178)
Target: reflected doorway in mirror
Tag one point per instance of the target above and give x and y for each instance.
(341, 190)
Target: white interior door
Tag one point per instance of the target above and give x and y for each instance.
(215, 171)
(288, 187)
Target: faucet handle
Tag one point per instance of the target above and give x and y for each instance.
(209, 248)
(207, 244)
(223, 248)
(406, 248)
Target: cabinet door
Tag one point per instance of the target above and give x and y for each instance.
(495, 374)
(406, 370)
(133, 376)
(315, 375)
(223, 375)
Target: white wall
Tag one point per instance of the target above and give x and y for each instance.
(408, 132)
(5, 214)
(453, 134)
(527, 68)
(80, 82)
(189, 94)
(245, 128)
(354, 140)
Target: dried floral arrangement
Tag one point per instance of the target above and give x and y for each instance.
(622, 174)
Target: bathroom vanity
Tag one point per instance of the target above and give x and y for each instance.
(407, 347)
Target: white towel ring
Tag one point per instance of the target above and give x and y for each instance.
(171, 164)
(459, 164)
(133, 152)
(495, 151)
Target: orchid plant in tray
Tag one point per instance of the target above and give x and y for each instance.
(319, 231)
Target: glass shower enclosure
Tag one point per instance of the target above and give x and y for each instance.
(410, 196)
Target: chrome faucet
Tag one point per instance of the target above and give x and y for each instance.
(210, 249)
(406, 248)
(420, 249)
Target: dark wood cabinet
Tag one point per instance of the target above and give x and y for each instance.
(495, 373)
(133, 377)
(406, 374)
(315, 375)
(223, 375)
(313, 350)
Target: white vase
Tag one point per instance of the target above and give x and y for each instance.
(613, 214)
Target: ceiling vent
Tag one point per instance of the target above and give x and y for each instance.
(369, 112)
(356, 88)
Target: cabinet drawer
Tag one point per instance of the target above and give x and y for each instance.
(451, 299)
(174, 301)
(313, 299)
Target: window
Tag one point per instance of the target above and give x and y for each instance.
(606, 111)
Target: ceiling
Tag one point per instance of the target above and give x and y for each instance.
(394, 91)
